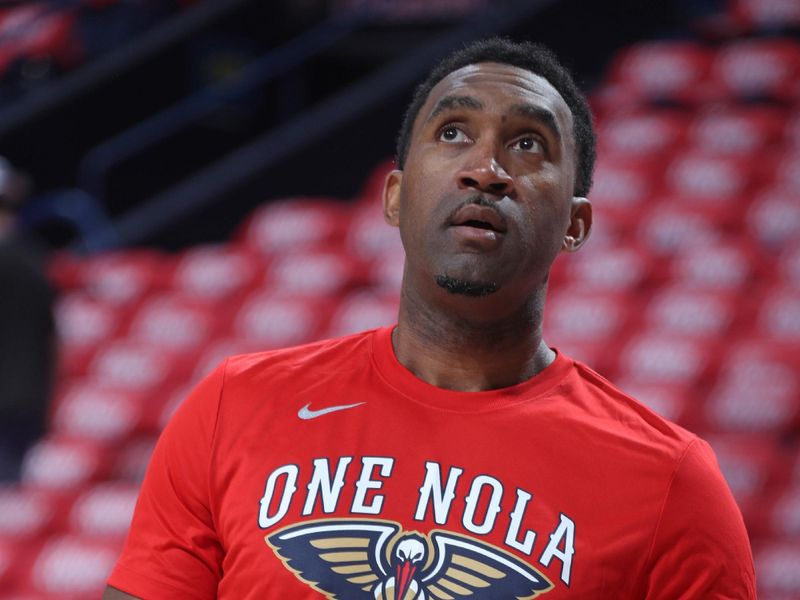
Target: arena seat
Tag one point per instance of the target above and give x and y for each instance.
(28, 514)
(641, 133)
(747, 462)
(778, 569)
(291, 224)
(103, 511)
(690, 312)
(672, 225)
(141, 366)
(735, 130)
(58, 463)
(755, 15)
(661, 70)
(123, 277)
(214, 273)
(72, 566)
(274, 320)
(91, 411)
(621, 268)
(708, 179)
(360, 311)
(774, 217)
(622, 185)
(722, 266)
(174, 321)
(757, 68)
(326, 271)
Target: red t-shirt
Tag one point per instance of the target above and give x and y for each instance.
(331, 471)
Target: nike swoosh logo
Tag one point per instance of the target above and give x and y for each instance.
(306, 413)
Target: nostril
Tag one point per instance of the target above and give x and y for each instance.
(498, 187)
(469, 182)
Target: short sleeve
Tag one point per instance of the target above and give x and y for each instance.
(700, 549)
(172, 549)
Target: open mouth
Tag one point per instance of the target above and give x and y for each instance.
(478, 224)
(479, 217)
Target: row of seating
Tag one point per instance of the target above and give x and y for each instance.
(687, 296)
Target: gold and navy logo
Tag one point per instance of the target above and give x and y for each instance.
(369, 559)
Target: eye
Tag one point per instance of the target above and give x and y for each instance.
(528, 143)
(452, 135)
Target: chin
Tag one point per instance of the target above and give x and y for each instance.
(465, 287)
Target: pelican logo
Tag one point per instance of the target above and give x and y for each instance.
(372, 559)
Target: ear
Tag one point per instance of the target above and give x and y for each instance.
(391, 197)
(580, 224)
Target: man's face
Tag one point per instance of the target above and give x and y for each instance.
(484, 203)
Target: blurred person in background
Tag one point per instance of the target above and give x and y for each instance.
(27, 333)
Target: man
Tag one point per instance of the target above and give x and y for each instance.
(455, 455)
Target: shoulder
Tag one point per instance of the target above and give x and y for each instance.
(332, 356)
(322, 351)
(606, 406)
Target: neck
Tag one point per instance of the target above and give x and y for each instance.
(447, 349)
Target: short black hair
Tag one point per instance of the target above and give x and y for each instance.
(529, 56)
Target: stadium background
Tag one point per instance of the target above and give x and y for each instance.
(205, 176)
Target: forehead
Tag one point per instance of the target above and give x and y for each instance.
(500, 86)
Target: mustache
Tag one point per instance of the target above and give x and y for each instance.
(479, 200)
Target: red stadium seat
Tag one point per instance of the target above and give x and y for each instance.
(294, 224)
(85, 321)
(673, 225)
(176, 322)
(746, 461)
(140, 366)
(275, 321)
(361, 311)
(327, 271)
(617, 268)
(91, 411)
(778, 569)
(703, 178)
(131, 461)
(788, 269)
(779, 316)
(580, 314)
(736, 130)
(385, 272)
(655, 357)
(691, 312)
(759, 68)
(212, 273)
(72, 566)
(124, 277)
(774, 217)
(641, 134)
(369, 235)
(765, 14)
(783, 169)
(662, 70)
(65, 464)
(622, 185)
(104, 511)
(722, 266)
(27, 514)
(677, 402)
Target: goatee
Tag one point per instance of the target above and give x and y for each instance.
(465, 288)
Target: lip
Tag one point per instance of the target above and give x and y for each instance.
(483, 214)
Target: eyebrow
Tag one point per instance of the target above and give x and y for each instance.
(528, 111)
(451, 102)
(540, 114)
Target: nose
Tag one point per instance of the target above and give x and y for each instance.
(487, 175)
